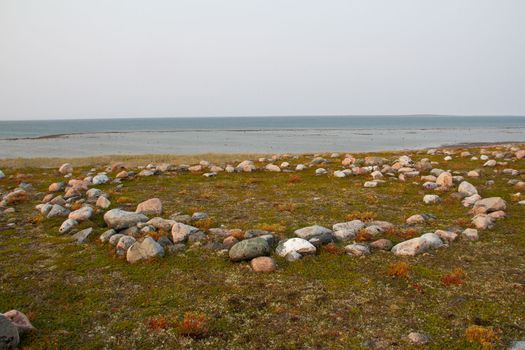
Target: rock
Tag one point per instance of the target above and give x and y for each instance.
(339, 174)
(491, 204)
(470, 201)
(263, 264)
(374, 161)
(103, 202)
(300, 167)
(249, 249)
(180, 232)
(430, 185)
(256, 233)
(444, 179)
(273, 167)
(146, 249)
(418, 338)
(382, 244)
(293, 256)
(520, 344)
(56, 187)
(198, 236)
(345, 231)
(122, 175)
(107, 235)
(467, 189)
(199, 216)
(520, 154)
(67, 226)
(357, 249)
(9, 337)
(65, 169)
(82, 214)
(433, 240)
(482, 221)
(500, 214)
(415, 219)
(2, 175)
(93, 193)
(212, 174)
(182, 218)
(229, 242)
(312, 231)
(100, 179)
(411, 247)
(152, 206)
(473, 173)
(370, 184)
(490, 163)
(82, 236)
(297, 245)
(57, 210)
(376, 175)
(45, 209)
(161, 224)
(20, 321)
(246, 166)
(114, 239)
(18, 195)
(124, 243)
(470, 234)
(320, 171)
(120, 219)
(446, 236)
(431, 199)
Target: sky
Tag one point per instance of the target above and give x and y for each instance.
(182, 58)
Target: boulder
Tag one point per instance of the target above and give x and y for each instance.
(249, 249)
(147, 249)
(100, 179)
(263, 264)
(67, 226)
(444, 179)
(120, 219)
(297, 245)
(431, 199)
(482, 221)
(20, 321)
(312, 231)
(433, 240)
(152, 206)
(57, 211)
(411, 247)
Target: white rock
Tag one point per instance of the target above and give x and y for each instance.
(444, 179)
(82, 214)
(370, 184)
(180, 232)
(433, 240)
(411, 247)
(491, 204)
(431, 199)
(339, 173)
(273, 167)
(345, 231)
(490, 163)
(67, 226)
(482, 221)
(320, 171)
(100, 179)
(300, 167)
(297, 245)
(467, 189)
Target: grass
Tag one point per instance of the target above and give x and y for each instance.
(83, 297)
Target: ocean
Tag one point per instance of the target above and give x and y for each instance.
(72, 138)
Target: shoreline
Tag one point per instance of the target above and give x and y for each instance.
(51, 162)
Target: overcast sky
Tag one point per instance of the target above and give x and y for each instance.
(134, 58)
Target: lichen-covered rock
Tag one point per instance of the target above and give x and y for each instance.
(312, 231)
(249, 249)
(345, 231)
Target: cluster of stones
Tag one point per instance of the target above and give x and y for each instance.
(13, 324)
(136, 234)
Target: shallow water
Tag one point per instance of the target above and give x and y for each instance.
(249, 135)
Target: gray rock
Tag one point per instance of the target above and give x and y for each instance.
(67, 226)
(470, 234)
(431, 199)
(124, 243)
(20, 321)
(199, 216)
(9, 337)
(161, 224)
(293, 256)
(382, 244)
(411, 247)
(517, 345)
(312, 231)
(345, 231)
(82, 214)
(146, 249)
(249, 249)
(152, 206)
(256, 233)
(120, 219)
(491, 204)
(115, 238)
(57, 211)
(467, 189)
(82, 236)
(100, 179)
(417, 338)
(107, 235)
(93, 193)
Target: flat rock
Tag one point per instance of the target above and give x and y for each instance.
(82, 236)
(491, 204)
